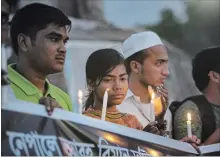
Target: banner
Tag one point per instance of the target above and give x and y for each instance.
(27, 130)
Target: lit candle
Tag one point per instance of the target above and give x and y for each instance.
(156, 101)
(189, 129)
(104, 107)
(80, 95)
(154, 152)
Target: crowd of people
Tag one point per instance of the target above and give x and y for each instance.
(38, 36)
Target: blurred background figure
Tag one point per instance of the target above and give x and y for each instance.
(186, 27)
(7, 7)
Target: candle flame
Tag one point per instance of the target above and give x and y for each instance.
(151, 92)
(107, 89)
(153, 152)
(156, 101)
(152, 95)
(80, 94)
(110, 138)
(189, 117)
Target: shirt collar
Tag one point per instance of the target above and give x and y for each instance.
(131, 94)
(26, 86)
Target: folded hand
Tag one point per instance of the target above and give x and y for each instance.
(49, 103)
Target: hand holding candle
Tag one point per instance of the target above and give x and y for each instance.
(189, 129)
(105, 102)
(80, 95)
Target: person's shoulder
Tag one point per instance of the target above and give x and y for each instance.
(188, 105)
(91, 113)
(87, 113)
(180, 117)
(59, 92)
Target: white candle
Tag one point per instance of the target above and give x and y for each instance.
(189, 129)
(104, 107)
(80, 95)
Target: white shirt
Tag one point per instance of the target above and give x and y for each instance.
(143, 112)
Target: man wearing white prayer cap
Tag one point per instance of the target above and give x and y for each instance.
(146, 64)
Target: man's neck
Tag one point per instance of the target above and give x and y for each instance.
(31, 75)
(139, 90)
(212, 94)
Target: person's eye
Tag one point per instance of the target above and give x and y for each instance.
(123, 79)
(65, 41)
(159, 63)
(107, 80)
(54, 39)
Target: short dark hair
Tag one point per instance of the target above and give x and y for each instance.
(33, 18)
(138, 57)
(98, 65)
(204, 62)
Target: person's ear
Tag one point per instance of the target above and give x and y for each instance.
(135, 67)
(214, 76)
(24, 42)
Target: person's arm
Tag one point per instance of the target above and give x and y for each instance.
(66, 102)
(180, 125)
(213, 138)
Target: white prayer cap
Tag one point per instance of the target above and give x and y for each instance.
(140, 41)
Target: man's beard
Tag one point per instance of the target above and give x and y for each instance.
(143, 81)
(141, 78)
